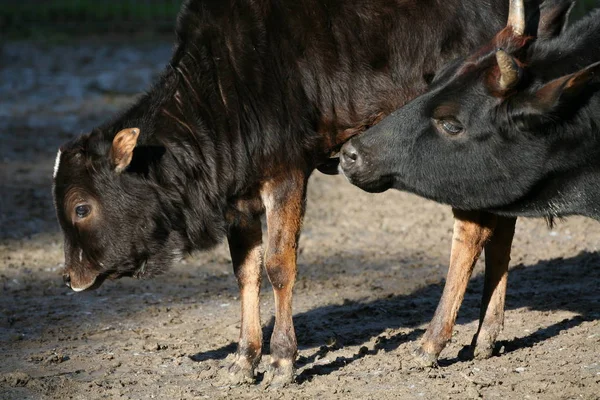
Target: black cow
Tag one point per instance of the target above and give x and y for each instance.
(513, 128)
(510, 129)
(257, 95)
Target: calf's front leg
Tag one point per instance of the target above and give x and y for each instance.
(497, 258)
(284, 201)
(245, 245)
(472, 230)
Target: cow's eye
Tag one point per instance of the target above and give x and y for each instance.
(82, 211)
(450, 126)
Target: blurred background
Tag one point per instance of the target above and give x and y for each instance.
(60, 18)
(371, 267)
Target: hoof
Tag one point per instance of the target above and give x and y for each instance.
(279, 374)
(422, 359)
(483, 346)
(241, 372)
(484, 351)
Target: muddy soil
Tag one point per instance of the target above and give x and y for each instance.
(371, 271)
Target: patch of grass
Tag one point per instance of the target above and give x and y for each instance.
(68, 17)
(90, 9)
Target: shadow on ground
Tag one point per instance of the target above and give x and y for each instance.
(552, 285)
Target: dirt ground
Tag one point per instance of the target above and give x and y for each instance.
(371, 271)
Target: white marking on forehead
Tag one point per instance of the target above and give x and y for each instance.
(56, 164)
(80, 255)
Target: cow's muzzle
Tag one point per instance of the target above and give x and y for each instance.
(350, 160)
(358, 167)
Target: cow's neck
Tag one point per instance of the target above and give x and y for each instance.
(191, 164)
(434, 40)
(571, 173)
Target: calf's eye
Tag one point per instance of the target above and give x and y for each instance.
(450, 126)
(82, 211)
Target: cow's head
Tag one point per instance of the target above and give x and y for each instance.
(482, 136)
(111, 217)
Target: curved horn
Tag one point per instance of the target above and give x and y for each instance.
(516, 17)
(509, 70)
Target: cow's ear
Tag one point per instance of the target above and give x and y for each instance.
(554, 15)
(121, 151)
(564, 89)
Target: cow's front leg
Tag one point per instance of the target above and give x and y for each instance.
(245, 245)
(284, 204)
(471, 232)
(497, 258)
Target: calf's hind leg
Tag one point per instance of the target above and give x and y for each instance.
(284, 201)
(245, 245)
(471, 232)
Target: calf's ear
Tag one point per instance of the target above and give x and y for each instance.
(554, 15)
(121, 151)
(565, 89)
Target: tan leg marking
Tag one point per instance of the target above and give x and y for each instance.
(284, 204)
(497, 258)
(471, 231)
(245, 245)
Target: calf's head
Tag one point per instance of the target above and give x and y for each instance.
(110, 217)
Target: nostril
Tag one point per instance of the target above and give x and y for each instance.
(349, 153)
(67, 279)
